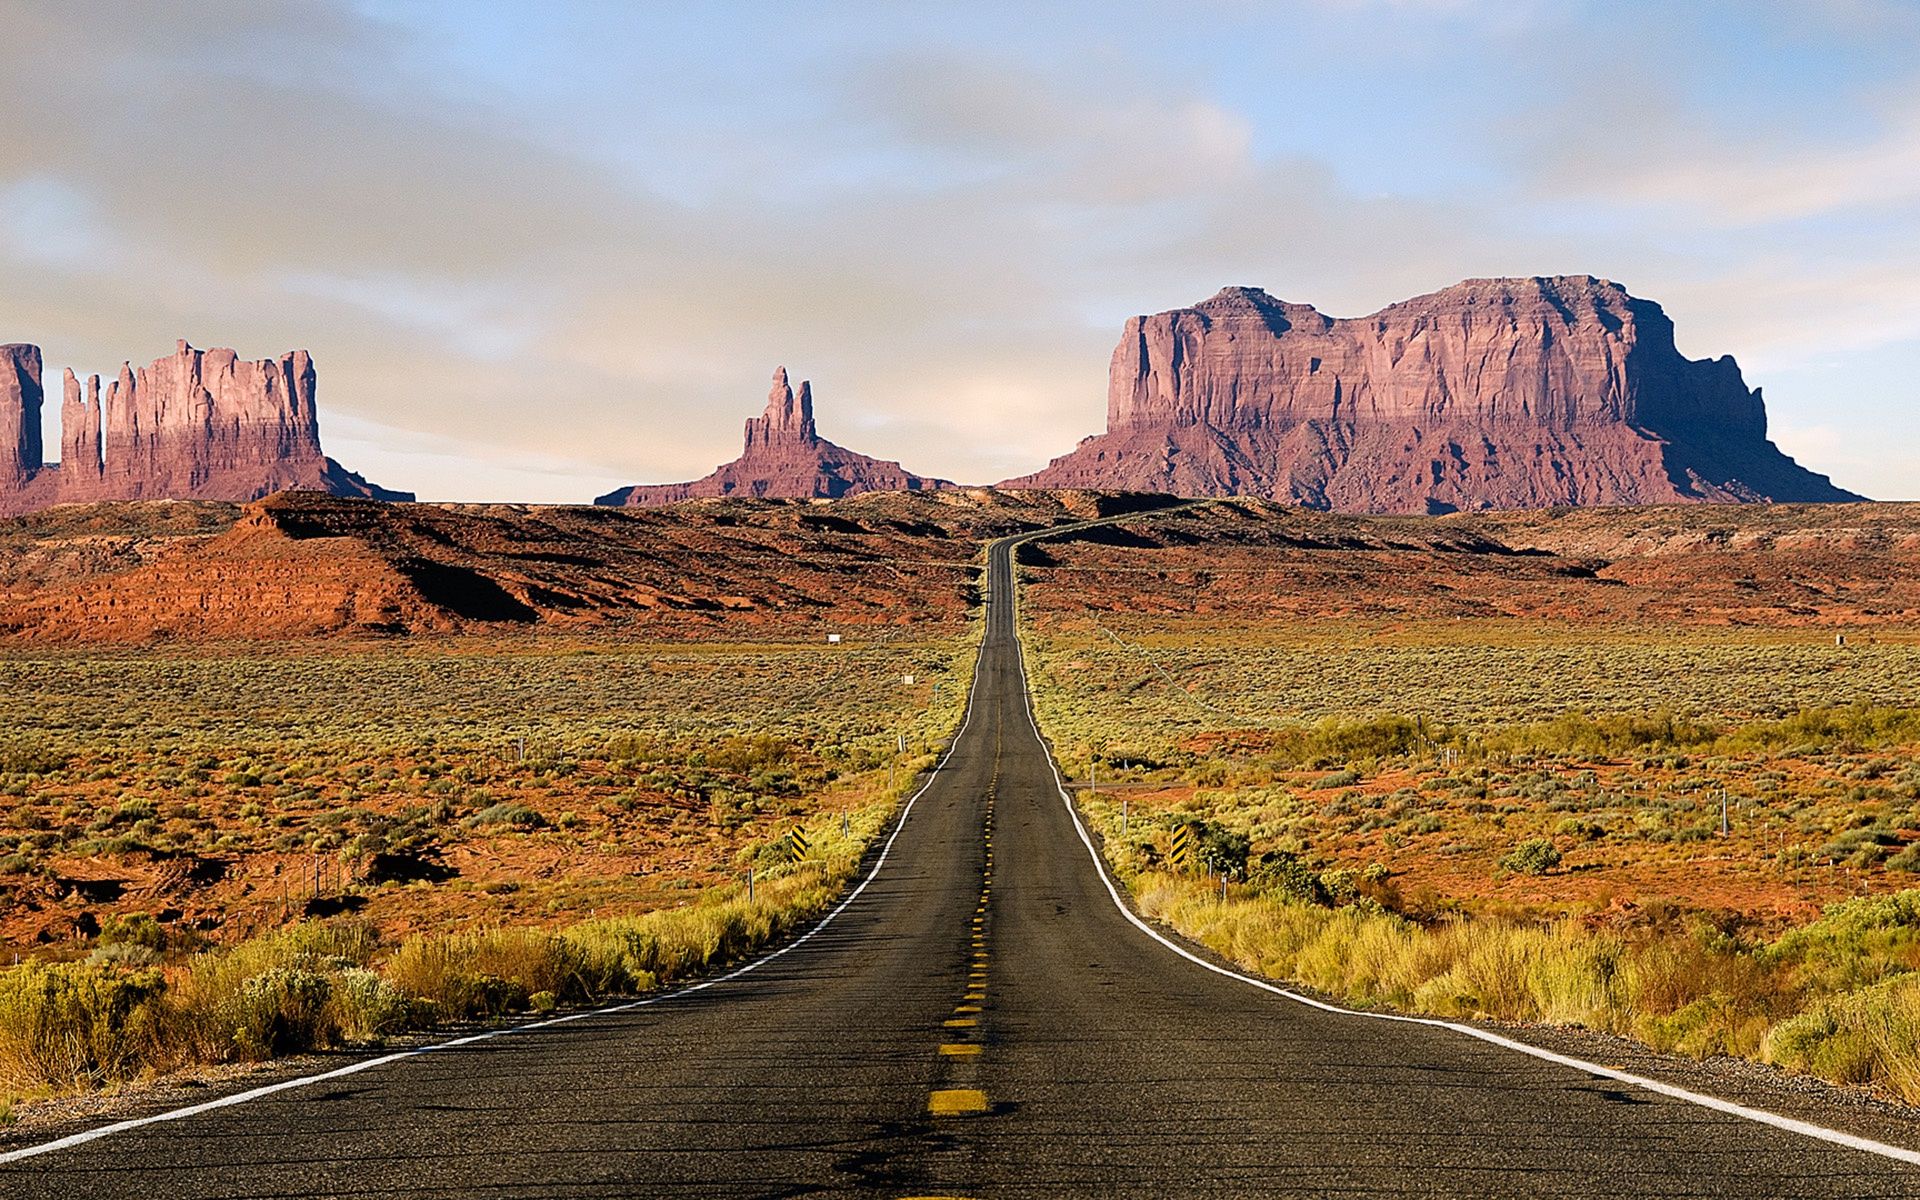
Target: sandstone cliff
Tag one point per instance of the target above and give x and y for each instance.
(1500, 393)
(20, 398)
(784, 457)
(199, 424)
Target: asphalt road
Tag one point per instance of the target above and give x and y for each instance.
(981, 1021)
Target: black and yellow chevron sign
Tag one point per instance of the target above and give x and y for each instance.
(1180, 848)
(797, 844)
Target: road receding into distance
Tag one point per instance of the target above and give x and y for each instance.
(982, 1018)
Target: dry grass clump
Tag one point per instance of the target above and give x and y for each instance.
(1839, 998)
(74, 1023)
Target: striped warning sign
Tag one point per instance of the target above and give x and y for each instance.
(1180, 848)
(798, 845)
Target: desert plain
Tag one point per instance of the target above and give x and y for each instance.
(1641, 769)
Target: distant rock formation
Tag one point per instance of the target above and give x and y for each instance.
(1492, 394)
(20, 398)
(200, 424)
(784, 457)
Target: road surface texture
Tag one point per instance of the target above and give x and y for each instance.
(981, 1021)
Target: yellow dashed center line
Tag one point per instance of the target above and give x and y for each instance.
(959, 1049)
(957, 1102)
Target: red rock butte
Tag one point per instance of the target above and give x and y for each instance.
(197, 425)
(1492, 394)
(784, 457)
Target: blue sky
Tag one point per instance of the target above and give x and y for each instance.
(540, 250)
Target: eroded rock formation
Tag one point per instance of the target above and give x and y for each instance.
(784, 457)
(199, 424)
(1494, 393)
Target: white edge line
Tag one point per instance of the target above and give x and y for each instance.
(1762, 1116)
(178, 1114)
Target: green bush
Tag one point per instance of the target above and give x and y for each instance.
(1535, 856)
(507, 813)
(132, 929)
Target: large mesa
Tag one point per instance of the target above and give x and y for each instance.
(195, 425)
(1492, 394)
(785, 457)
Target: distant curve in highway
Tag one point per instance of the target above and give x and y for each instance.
(981, 1019)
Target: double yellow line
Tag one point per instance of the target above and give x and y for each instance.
(969, 1101)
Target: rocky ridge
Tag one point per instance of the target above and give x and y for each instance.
(784, 457)
(305, 565)
(1492, 394)
(198, 424)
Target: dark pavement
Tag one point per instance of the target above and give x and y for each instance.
(1099, 1063)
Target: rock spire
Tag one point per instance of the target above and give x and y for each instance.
(784, 456)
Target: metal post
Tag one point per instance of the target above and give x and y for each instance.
(1723, 812)
(1124, 802)
(749, 885)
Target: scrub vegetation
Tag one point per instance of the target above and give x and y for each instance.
(217, 856)
(317, 984)
(1705, 839)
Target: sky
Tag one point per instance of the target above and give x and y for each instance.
(542, 250)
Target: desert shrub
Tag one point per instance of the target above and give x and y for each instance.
(1714, 1024)
(1345, 777)
(747, 755)
(74, 1024)
(1284, 872)
(1576, 731)
(1535, 856)
(364, 1007)
(1223, 849)
(280, 1011)
(1585, 830)
(507, 813)
(439, 972)
(1864, 846)
(1854, 944)
(29, 757)
(132, 929)
(1868, 1036)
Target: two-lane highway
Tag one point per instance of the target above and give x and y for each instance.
(981, 1020)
